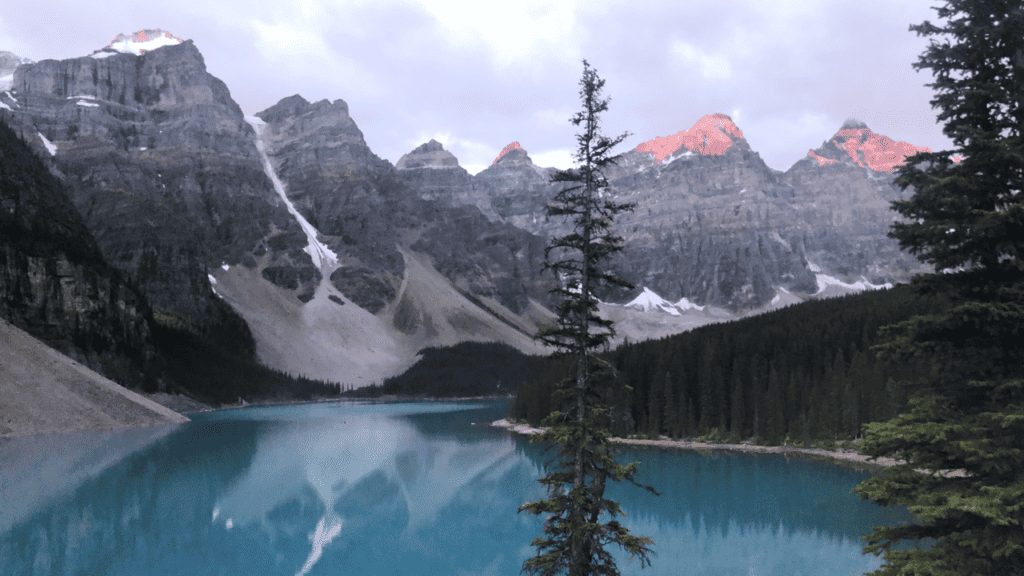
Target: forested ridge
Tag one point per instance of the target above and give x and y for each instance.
(806, 372)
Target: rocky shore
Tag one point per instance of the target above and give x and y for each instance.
(850, 457)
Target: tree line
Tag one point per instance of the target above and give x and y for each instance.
(800, 374)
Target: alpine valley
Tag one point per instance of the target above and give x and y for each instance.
(344, 266)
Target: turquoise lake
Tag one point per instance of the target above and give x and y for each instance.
(395, 489)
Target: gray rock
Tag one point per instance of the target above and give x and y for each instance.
(161, 163)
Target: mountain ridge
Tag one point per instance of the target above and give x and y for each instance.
(177, 186)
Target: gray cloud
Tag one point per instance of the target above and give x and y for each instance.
(481, 75)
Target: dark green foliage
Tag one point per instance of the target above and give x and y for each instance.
(967, 404)
(36, 216)
(827, 379)
(966, 412)
(579, 521)
(221, 371)
(467, 369)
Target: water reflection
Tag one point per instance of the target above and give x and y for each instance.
(410, 489)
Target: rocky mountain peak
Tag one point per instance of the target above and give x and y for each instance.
(429, 155)
(296, 105)
(857, 144)
(507, 149)
(142, 41)
(711, 135)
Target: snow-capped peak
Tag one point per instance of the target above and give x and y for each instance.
(143, 41)
(649, 301)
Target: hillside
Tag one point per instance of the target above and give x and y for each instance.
(44, 391)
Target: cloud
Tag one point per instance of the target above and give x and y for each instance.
(560, 158)
(711, 66)
(788, 72)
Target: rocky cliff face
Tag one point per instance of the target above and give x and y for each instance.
(843, 190)
(368, 211)
(713, 223)
(160, 162)
(433, 173)
(53, 280)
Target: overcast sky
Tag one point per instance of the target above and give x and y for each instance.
(476, 75)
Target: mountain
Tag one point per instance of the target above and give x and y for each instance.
(343, 266)
(340, 267)
(844, 189)
(433, 173)
(714, 224)
(405, 272)
(161, 164)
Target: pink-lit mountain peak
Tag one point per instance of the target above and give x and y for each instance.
(143, 41)
(506, 150)
(712, 134)
(868, 149)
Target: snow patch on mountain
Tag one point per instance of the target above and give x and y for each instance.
(824, 281)
(319, 252)
(50, 146)
(141, 42)
(649, 301)
(684, 305)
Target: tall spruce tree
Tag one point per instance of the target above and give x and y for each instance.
(967, 219)
(580, 520)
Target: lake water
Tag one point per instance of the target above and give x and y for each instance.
(396, 489)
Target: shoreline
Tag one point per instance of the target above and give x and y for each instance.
(200, 407)
(846, 458)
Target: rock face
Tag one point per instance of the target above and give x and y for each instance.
(713, 223)
(516, 188)
(368, 211)
(843, 190)
(433, 173)
(160, 162)
(54, 282)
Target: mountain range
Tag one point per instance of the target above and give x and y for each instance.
(344, 266)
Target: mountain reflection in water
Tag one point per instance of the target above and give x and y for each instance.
(415, 488)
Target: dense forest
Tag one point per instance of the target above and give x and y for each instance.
(466, 369)
(806, 372)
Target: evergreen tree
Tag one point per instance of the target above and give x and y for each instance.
(669, 418)
(580, 521)
(737, 422)
(967, 218)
